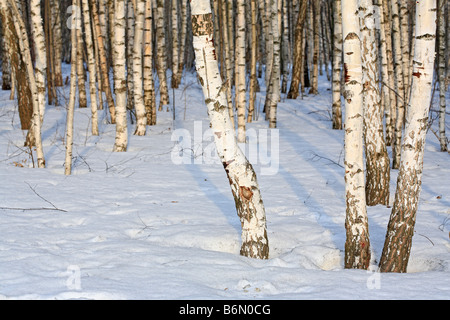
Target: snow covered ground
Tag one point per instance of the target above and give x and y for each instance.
(158, 223)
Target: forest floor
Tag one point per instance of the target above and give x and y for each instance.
(159, 221)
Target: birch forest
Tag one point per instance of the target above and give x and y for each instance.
(385, 63)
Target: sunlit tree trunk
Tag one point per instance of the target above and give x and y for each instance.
(242, 177)
(141, 117)
(75, 29)
(120, 82)
(357, 245)
(397, 245)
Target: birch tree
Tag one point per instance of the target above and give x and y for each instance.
(253, 58)
(297, 69)
(149, 85)
(337, 61)
(441, 73)
(141, 118)
(120, 81)
(242, 177)
(161, 54)
(357, 245)
(397, 245)
(315, 55)
(377, 159)
(91, 66)
(24, 45)
(240, 86)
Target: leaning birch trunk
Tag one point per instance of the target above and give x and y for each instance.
(240, 172)
(149, 85)
(357, 245)
(40, 67)
(120, 80)
(240, 87)
(92, 68)
(141, 118)
(297, 67)
(377, 159)
(441, 74)
(73, 89)
(26, 55)
(399, 85)
(397, 246)
(337, 61)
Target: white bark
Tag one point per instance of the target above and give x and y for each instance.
(400, 231)
(357, 251)
(120, 81)
(137, 68)
(149, 85)
(337, 59)
(240, 173)
(240, 87)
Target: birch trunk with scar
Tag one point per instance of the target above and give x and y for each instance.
(92, 68)
(357, 244)
(400, 230)
(120, 82)
(242, 177)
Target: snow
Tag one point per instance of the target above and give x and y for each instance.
(139, 225)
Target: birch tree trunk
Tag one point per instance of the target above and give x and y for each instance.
(73, 88)
(175, 45)
(57, 36)
(161, 54)
(297, 68)
(81, 75)
(92, 68)
(228, 65)
(139, 105)
(404, 30)
(24, 45)
(337, 61)
(240, 87)
(5, 56)
(120, 81)
(399, 84)
(377, 159)
(315, 56)
(254, 51)
(106, 85)
(397, 246)
(441, 73)
(149, 85)
(240, 173)
(357, 245)
(40, 68)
